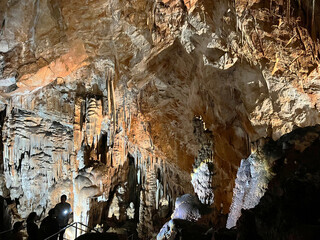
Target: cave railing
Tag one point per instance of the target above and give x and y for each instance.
(74, 225)
(4, 232)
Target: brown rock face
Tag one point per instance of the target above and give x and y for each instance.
(88, 85)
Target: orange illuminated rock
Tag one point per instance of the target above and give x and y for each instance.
(190, 4)
(60, 68)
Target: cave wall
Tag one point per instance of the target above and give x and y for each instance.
(288, 208)
(85, 84)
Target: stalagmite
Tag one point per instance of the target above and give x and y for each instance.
(251, 184)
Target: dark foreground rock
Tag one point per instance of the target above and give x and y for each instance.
(290, 208)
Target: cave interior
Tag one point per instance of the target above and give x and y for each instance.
(161, 119)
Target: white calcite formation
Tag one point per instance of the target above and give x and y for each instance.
(168, 231)
(130, 211)
(37, 155)
(114, 210)
(187, 207)
(201, 180)
(251, 183)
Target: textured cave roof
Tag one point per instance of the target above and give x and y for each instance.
(249, 71)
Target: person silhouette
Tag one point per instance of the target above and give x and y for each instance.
(16, 233)
(49, 226)
(5, 217)
(32, 227)
(63, 213)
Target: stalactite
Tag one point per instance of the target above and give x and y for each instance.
(35, 21)
(111, 100)
(43, 146)
(288, 10)
(313, 27)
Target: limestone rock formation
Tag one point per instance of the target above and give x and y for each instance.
(288, 210)
(187, 207)
(178, 228)
(201, 180)
(251, 184)
(101, 94)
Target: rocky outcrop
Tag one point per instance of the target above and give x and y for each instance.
(201, 180)
(251, 183)
(289, 208)
(255, 172)
(37, 155)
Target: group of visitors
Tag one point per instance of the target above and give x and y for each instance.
(56, 221)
